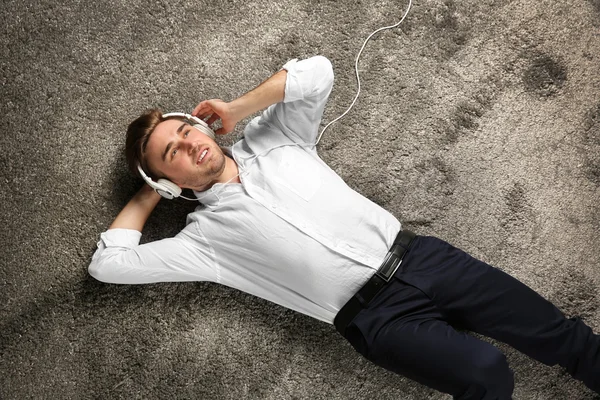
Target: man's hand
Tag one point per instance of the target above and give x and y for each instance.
(267, 93)
(214, 110)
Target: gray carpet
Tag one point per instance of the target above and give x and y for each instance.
(478, 122)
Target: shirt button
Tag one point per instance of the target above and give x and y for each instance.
(274, 206)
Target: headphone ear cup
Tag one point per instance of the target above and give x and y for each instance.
(206, 130)
(168, 189)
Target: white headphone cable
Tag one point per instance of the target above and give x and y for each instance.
(356, 68)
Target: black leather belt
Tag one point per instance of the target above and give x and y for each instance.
(378, 280)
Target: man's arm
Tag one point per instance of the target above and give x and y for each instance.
(136, 212)
(121, 259)
(269, 92)
(306, 83)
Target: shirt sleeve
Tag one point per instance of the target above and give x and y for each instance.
(121, 259)
(307, 87)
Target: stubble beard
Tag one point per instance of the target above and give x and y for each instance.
(217, 165)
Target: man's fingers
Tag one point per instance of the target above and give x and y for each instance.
(212, 119)
(203, 110)
(199, 108)
(204, 114)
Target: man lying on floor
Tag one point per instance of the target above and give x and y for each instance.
(278, 223)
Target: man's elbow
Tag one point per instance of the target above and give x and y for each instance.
(322, 76)
(327, 69)
(96, 270)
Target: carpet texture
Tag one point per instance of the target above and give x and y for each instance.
(478, 122)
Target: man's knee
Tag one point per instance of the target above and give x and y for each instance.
(490, 377)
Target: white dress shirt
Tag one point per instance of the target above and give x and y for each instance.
(292, 232)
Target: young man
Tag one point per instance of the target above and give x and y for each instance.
(278, 223)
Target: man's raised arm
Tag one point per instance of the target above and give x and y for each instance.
(271, 91)
(136, 212)
(308, 82)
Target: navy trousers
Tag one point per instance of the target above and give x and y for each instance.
(410, 325)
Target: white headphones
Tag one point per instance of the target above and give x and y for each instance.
(165, 187)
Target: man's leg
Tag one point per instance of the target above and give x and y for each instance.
(486, 300)
(402, 331)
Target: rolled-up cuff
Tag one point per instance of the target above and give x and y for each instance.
(293, 87)
(120, 238)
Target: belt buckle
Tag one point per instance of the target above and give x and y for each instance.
(386, 271)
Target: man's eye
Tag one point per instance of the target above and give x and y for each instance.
(186, 133)
(173, 153)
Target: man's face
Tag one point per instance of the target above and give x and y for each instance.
(175, 151)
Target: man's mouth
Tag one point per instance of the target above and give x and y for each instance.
(202, 156)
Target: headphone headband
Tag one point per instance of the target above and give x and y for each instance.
(197, 122)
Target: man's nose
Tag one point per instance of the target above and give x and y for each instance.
(191, 145)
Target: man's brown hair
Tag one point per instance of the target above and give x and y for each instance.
(138, 134)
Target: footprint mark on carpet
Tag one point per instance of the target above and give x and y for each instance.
(545, 75)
